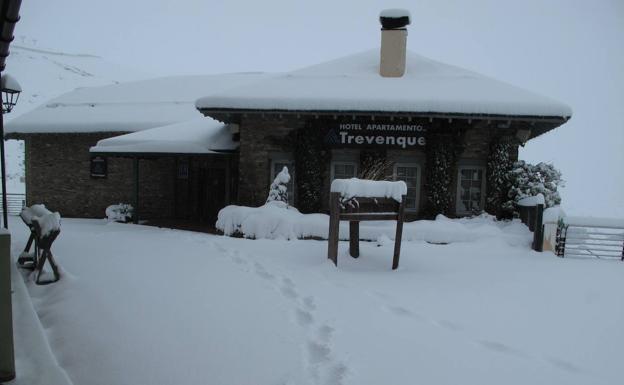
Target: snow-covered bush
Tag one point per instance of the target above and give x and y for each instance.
(278, 190)
(498, 167)
(121, 212)
(527, 180)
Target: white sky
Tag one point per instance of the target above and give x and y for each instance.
(567, 49)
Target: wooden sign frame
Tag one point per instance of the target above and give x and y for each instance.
(359, 209)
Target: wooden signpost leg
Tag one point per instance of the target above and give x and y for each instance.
(334, 227)
(354, 239)
(398, 235)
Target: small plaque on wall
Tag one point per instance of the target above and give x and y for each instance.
(98, 167)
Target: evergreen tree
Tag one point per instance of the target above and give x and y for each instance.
(279, 190)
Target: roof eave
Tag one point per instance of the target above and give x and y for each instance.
(209, 111)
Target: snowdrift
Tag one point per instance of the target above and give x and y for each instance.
(277, 220)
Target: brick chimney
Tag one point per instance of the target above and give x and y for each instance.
(393, 42)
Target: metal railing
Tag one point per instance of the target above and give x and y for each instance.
(15, 203)
(591, 239)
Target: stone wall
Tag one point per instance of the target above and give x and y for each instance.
(261, 139)
(58, 175)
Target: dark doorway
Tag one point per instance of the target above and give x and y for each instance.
(211, 194)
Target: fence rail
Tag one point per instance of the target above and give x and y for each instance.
(590, 239)
(15, 203)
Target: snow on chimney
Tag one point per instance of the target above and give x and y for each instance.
(393, 42)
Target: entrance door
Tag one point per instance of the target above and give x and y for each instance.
(211, 194)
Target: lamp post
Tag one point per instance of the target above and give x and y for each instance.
(10, 93)
(9, 16)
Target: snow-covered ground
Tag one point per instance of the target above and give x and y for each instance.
(142, 305)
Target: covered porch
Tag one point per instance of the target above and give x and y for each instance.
(202, 157)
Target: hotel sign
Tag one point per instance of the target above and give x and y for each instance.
(403, 136)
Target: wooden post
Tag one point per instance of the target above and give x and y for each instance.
(334, 227)
(399, 234)
(538, 228)
(354, 238)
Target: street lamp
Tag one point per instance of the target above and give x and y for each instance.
(11, 90)
(10, 93)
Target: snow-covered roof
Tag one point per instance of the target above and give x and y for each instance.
(353, 83)
(126, 107)
(198, 136)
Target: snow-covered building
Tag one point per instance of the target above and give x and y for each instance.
(63, 174)
(386, 113)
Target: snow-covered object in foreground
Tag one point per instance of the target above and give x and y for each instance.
(38, 210)
(532, 200)
(120, 213)
(10, 83)
(279, 191)
(354, 187)
(48, 223)
(277, 220)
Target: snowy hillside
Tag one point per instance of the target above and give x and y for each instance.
(46, 73)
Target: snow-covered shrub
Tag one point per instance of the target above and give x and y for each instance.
(527, 180)
(278, 190)
(498, 167)
(311, 159)
(121, 212)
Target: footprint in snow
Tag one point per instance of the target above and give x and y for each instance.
(262, 273)
(399, 310)
(501, 348)
(288, 289)
(565, 365)
(304, 318)
(325, 333)
(309, 303)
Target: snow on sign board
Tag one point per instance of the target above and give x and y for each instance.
(354, 187)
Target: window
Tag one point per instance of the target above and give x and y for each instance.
(99, 167)
(410, 174)
(343, 170)
(276, 168)
(470, 190)
(183, 169)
